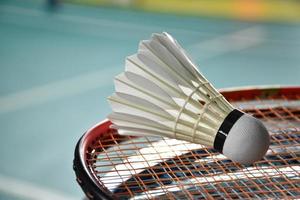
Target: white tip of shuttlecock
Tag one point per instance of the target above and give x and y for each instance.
(247, 141)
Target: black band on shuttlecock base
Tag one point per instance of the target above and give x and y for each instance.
(224, 129)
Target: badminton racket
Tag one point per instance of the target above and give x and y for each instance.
(111, 166)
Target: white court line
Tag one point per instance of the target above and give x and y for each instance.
(233, 42)
(85, 82)
(55, 90)
(30, 191)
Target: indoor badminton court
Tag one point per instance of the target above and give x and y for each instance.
(58, 62)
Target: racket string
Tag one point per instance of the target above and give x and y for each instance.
(196, 172)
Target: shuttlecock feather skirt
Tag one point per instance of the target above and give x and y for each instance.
(162, 93)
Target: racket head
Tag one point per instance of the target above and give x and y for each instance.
(111, 166)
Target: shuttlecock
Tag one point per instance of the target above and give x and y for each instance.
(162, 93)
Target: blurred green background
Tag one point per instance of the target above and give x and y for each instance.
(58, 60)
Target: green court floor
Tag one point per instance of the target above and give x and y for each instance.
(56, 70)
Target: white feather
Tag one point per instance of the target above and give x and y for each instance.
(162, 93)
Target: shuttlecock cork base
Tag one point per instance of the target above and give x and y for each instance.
(162, 93)
(242, 138)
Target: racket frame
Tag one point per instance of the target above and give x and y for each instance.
(87, 179)
(84, 175)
